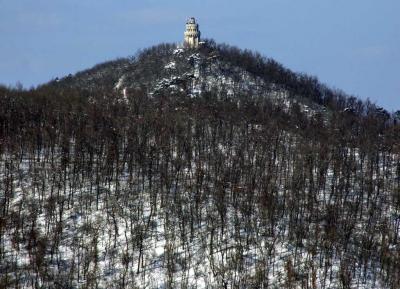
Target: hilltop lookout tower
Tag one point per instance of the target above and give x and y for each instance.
(192, 33)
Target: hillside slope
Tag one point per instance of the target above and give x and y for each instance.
(214, 168)
(225, 71)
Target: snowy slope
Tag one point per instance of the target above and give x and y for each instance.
(145, 186)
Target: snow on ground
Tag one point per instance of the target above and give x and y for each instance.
(158, 251)
(170, 65)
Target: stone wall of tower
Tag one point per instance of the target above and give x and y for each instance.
(192, 34)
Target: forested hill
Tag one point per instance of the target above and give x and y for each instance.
(227, 69)
(209, 168)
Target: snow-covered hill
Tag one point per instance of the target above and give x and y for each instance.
(210, 168)
(172, 69)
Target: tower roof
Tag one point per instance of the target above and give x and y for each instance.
(191, 20)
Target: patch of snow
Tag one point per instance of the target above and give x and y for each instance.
(178, 51)
(171, 65)
(120, 82)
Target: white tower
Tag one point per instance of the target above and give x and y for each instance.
(192, 33)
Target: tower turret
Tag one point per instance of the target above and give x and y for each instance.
(192, 33)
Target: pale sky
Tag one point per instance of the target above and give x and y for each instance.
(353, 45)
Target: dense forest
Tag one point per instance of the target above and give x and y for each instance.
(162, 188)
